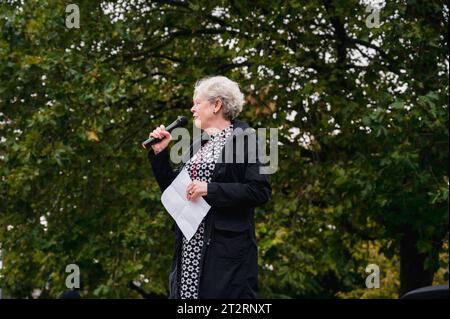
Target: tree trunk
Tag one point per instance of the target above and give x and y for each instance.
(412, 265)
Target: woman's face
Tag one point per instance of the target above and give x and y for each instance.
(202, 112)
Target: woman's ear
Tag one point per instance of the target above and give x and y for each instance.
(217, 105)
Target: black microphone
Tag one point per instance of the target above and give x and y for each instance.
(179, 122)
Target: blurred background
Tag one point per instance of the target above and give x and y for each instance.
(357, 89)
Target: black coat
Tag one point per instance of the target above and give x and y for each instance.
(229, 265)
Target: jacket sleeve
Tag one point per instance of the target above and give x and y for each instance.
(161, 168)
(254, 191)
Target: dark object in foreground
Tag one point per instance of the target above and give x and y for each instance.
(430, 292)
(70, 294)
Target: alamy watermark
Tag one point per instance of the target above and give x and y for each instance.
(245, 146)
(73, 19)
(73, 279)
(373, 19)
(373, 279)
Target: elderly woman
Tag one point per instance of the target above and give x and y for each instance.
(220, 260)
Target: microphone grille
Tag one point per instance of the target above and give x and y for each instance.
(182, 120)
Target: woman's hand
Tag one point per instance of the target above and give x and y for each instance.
(196, 189)
(161, 133)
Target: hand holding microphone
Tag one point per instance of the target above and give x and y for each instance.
(163, 135)
(160, 137)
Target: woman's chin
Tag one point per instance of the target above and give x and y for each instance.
(198, 123)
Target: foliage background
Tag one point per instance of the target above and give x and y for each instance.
(363, 159)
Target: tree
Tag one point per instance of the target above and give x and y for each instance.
(362, 116)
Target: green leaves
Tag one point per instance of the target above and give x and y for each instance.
(370, 157)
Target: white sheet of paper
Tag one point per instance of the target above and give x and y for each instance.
(187, 214)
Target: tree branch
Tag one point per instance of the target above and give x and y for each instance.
(143, 293)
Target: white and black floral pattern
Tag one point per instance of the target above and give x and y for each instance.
(199, 167)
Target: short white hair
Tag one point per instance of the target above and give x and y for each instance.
(214, 87)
